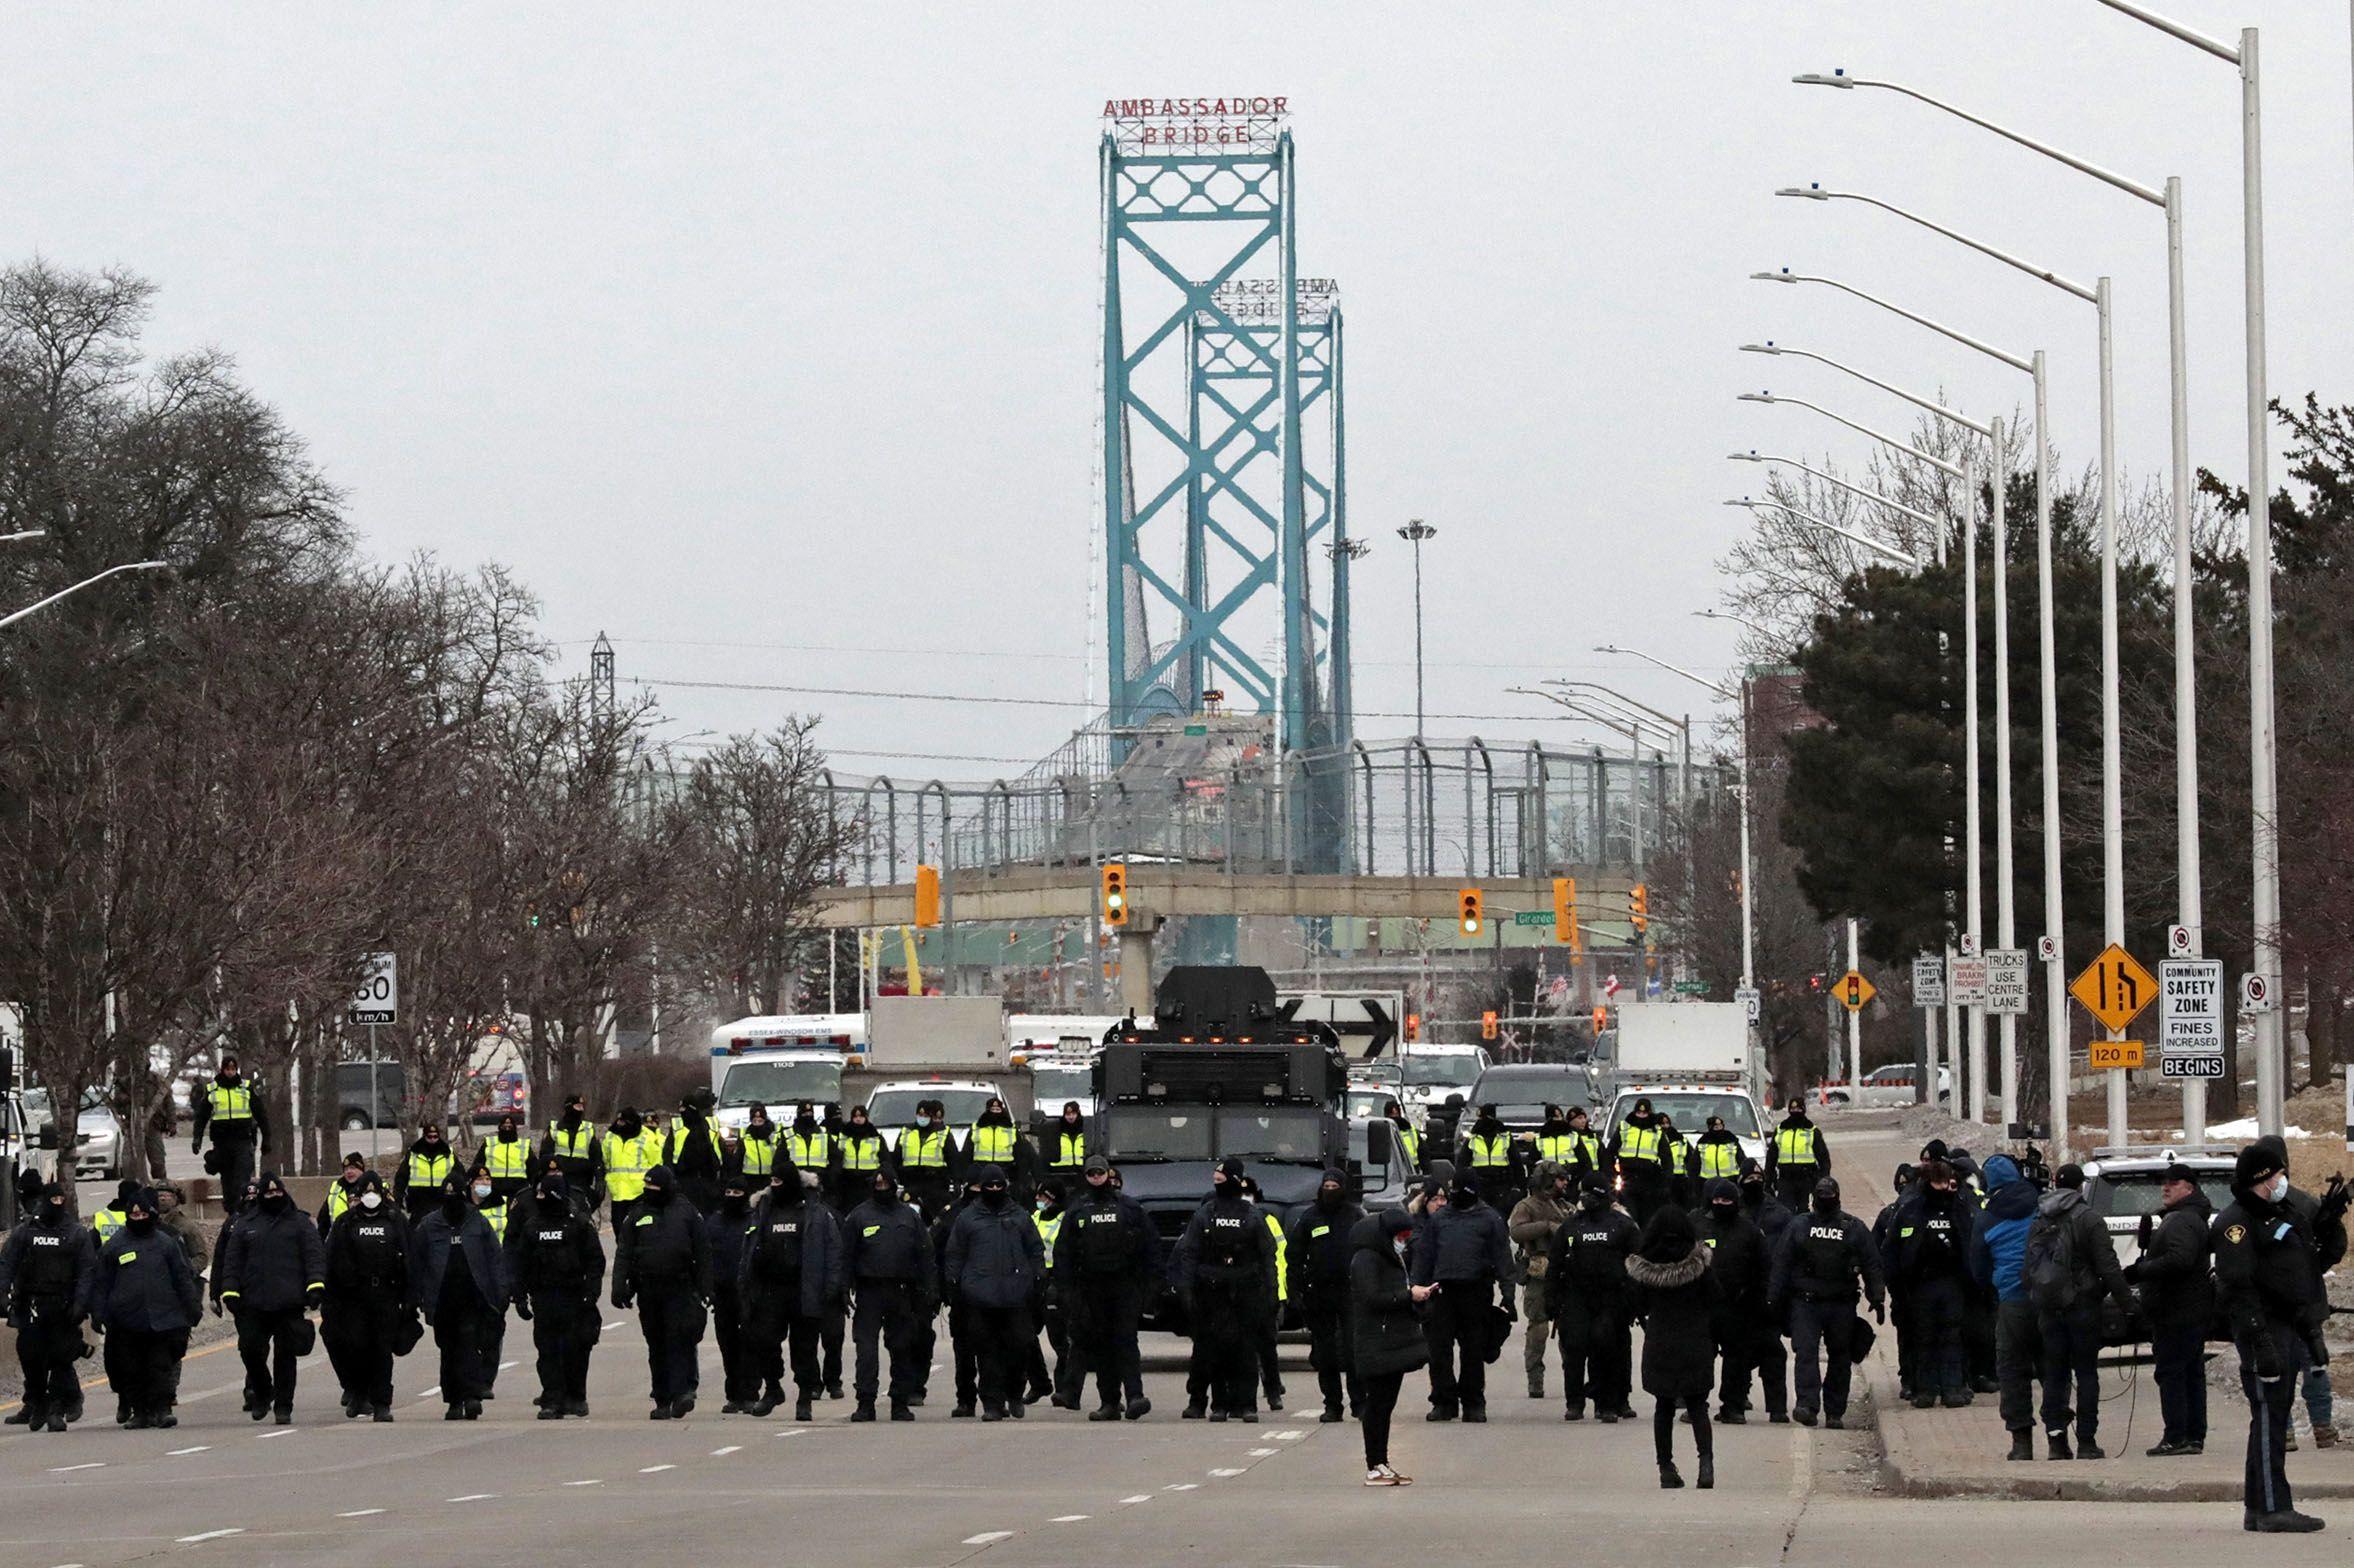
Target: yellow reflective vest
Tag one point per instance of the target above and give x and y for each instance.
(759, 1154)
(1070, 1150)
(1718, 1159)
(1488, 1154)
(1048, 1230)
(505, 1161)
(1282, 1257)
(496, 1215)
(428, 1171)
(1794, 1146)
(106, 1222)
(230, 1102)
(863, 1154)
(990, 1145)
(626, 1162)
(573, 1145)
(678, 1140)
(923, 1149)
(813, 1152)
(1641, 1143)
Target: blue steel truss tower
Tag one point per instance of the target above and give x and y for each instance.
(1221, 429)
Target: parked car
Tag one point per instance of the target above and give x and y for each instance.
(1893, 1084)
(97, 1152)
(353, 1082)
(2121, 1186)
(1521, 1092)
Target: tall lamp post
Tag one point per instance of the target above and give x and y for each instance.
(2263, 781)
(1414, 533)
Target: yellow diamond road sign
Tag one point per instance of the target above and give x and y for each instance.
(2113, 988)
(1854, 991)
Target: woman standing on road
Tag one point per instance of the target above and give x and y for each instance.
(1673, 1295)
(1386, 1319)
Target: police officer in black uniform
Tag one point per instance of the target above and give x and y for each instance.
(888, 1257)
(1464, 1253)
(1225, 1275)
(1738, 1261)
(367, 1296)
(663, 1265)
(790, 1281)
(1930, 1234)
(1823, 1258)
(558, 1266)
(2268, 1266)
(45, 1272)
(1586, 1297)
(1318, 1250)
(1106, 1258)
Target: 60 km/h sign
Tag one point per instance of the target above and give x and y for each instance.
(378, 1000)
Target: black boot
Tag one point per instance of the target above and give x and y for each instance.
(2022, 1444)
(1669, 1477)
(1707, 1477)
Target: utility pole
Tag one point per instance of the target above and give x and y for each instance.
(1414, 533)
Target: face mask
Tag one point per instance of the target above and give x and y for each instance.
(886, 1194)
(2279, 1190)
(657, 1196)
(276, 1202)
(738, 1202)
(1724, 1212)
(1328, 1197)
(1398, 1246)
(141, 1227)
(1043, 1205)
(481, 1191)
(371, 1200)
(994, 1197)
(1826, 1205)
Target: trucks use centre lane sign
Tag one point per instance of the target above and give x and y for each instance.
(2006, 980)
(2190, 1017)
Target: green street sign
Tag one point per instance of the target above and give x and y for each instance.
(1691, 988)
(1533, 917)
(1197, 729)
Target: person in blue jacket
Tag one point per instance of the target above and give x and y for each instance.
(1996, 1253)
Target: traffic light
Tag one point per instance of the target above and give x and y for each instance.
(1639, 902)
(1115, 893)
(1601, 1018)
(927, 895)
(1413, 1026)
(1467, 917)
(1487, 1024)
(1565, 910)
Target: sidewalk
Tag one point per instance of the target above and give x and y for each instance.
(1960, 1453)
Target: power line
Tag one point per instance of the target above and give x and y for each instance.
(1041, 656)
(1040, 702)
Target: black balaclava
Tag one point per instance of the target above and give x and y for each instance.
(1465, 1192)
(140, 1212)
(628, 1124)
(784, 1182)
(886, 1190)
(554, 1191)
(1669, 1236)
(453, 1198)
(1594, 1198)
(1753, 1190)
(735, 1199)
(1226, 1180)
(1826, 1200)
(573, 1113)
(992, 1184)
(1332, 1191)
(1724, 1201)
(273, 1193)
(1487, 1125)
(658, 1185)
(804, 1119)
(1640, 1116)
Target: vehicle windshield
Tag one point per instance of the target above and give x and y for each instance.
(1523, 1096)
(781, 1083)
(1051, 1086)
(1141, 1133)
(1690, 1112)
(2131, 1194)
(1271, 1134)
(1369, 1102)
(896, 1107)
(1453, 1071)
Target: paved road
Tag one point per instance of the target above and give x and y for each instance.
(1050, 1490)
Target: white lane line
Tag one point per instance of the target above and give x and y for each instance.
(95, 1464)
(1183, 1486)
(284, 1431)
(1225, 1472)
(616, 1323)
(361, 1513)
(201, 1448)
(988, 1537)
(429, 1393)
(473, 1497)
(656, 1469)
(596, 1482)
(1141, 1497)
(1290, 1437)
(209, 1535)
(1067, 1519)
(722, 1453)
(506, 1364)
(1261, 1453)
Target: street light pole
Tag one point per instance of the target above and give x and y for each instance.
(64, 593)
(1414, 533)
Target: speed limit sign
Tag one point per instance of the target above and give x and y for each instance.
(378, 1000)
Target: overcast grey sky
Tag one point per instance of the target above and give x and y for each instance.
(744, 331)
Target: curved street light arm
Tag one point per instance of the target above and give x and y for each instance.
(2056, 280)
(1929, 405)
(2015, 361)
(66, 593)
(1954, 470)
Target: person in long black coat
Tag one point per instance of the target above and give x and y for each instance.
(145, 1296)
(1672, 1292)
(361, 1318)
(458, 1279)
(1385, 1331)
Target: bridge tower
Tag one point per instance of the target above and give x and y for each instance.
(1224, 507)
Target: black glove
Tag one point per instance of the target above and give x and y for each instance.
(2269, 1368)
(2336, 1197)
(621, 1299)
(523, 1309)
(313, 1294)
(1880, 1313)
(2132, 1271)
(196, 1147)
(2149, 1223)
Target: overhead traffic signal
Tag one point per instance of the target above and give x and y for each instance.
(1467, 915)
(1601, 1018)
(1639, 903)
(1414, 1026)
(927, 895)
(1487, 1024)
(1115, 893)
(1565, 914)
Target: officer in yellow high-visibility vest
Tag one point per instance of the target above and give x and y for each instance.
(1061, 1385)
(240, 1125)
(994, 1140)
(629, 1149)
(1066, 1144)
(343, 1191)
(1402, 1131)
(863, 1154)
(1270, 1322)
(923, 1154)
(694, 1153)
(416, 1185)
(115, 1215)
(1715, 1155)
(758, 1148)
(810, 1144)
(505, 1157)
(1488, 1153)
(572, 1146)
(1644, 1148)
(1796, 1157)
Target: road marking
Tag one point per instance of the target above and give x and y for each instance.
(209, 1535)
(506, 1364)
(473, 1497)
(284, 1431)
(1225, 1472)
(361, 1513)
(988, 1537)
(656, 1469)
(1261, 1453)
(722, 1453)
(616, 1323)
(1290, 1437)
(200, 1448)
(95, 1464)
(1141, 1497)
(597, 1482)
(429, 1393)
(1067, 1519)
(1183, 1486)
